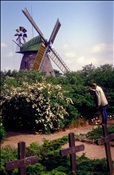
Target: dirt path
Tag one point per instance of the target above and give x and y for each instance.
(91, 150)
(13, 138)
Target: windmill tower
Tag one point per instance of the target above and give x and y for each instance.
(38, 51)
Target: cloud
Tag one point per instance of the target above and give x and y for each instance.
(70, 55)
(97, 55)
(10, 54)
(68, 51)
(3, 45)
(65, 46)
(101, 47)
(7, 68)
(86, 60)
(82, 60)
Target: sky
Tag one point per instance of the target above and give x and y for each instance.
(85, 36)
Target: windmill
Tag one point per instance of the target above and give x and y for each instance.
(21, 35)
(45, 50)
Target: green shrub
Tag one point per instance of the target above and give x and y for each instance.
(39, 106)
(50, 161)
(97, 132)
(36, 169)
(92, 167)
(8, 153)
(56, 172)
(2, 132)
(31, 101)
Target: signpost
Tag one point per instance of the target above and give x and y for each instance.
(22, 161)
(105, 140)
(72, 151)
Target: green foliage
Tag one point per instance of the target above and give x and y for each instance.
(56, 172)
(97, 133)
(31, 101)
(104, 77)
(87, 167)
(39, 106)
(36, 169)
(51, 162)
(2, 132)
(7, 154)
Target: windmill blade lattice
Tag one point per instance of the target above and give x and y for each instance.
(58, 61)
(39, 57)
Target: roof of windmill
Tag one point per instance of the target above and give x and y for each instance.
(31, 45)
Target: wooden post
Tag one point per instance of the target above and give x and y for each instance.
(72, 151)
(72, 155)
(23, 160)
(22, 155)
(106, 140)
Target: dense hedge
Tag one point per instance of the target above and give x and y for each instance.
(31, 101)
(37, 106)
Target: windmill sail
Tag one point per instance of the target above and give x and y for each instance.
(27, 14)
(38, 59)
(58, 61)
(55, 31)
(51, 40)
(39, 56)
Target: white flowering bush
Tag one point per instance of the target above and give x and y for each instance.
(37, 106)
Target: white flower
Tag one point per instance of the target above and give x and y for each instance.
(69, 100)
(36, 121)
